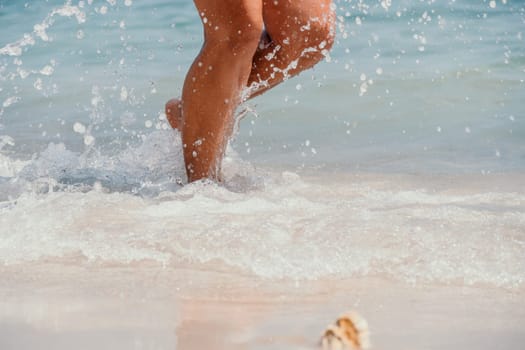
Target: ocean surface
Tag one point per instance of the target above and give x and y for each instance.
(401, 157)
(412, 88)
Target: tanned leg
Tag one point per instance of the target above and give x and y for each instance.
(298, 34)
(213, 85)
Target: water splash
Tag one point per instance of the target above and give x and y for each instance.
(39, 30)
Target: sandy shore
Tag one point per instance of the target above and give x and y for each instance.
(53, 306)
(472, 297)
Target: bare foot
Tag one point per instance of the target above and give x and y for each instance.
(349, 332)
(174, 112)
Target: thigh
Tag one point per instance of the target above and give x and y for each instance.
(220, 16)
(291, 21)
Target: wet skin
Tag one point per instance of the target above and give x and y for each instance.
(249, 47)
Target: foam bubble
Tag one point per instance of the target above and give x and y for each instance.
(79, 128)
(10, 101)
(47, 70)
(89, 140)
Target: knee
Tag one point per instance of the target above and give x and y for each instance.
(238, 38)
(246, 38)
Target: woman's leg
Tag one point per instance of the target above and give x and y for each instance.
(298, 34)
(213, 85)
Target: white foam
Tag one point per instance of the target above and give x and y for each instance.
(9, 167)
(267, 224)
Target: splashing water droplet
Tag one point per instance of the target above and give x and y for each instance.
(38, 84)
(47, 70)
(89, 140)
(10, 101)
(79, 128)
(123, 93)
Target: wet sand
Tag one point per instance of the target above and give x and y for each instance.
(55, 306)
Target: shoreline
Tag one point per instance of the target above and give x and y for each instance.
(58, 306)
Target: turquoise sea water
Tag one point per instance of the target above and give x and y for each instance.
(419, 88)
(422, 86)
